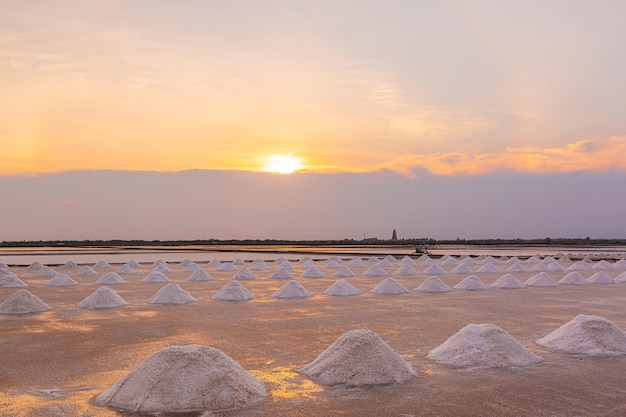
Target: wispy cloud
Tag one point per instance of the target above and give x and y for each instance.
(588, 155)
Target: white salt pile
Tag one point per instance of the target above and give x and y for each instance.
(23, 302)
(286, 265)
(539, 268)
(186, 262)
(405, 270)
(103, 297)
(60, 281)
(214, 262)
(305, 259)
(358, 358)
(192, 267)
(244, 275)
(185, 379)
(603, 265)
(200, 275)
(292, 289)
(449, 262)
(573, 278)
(532, 260)
(172, 293)
(461, 269)
(307, 264)
(589, 335)
(111, 278)
(342, 288)
(46, 271)
(162, 267)
(580, 266)
(540, 280)
(233, 291)
(226, 266)
(389, 286)
(125, 269)
(621, 277)
(517, 267)
(260, 266)
(86, 270)
(281, 273)
(555, 267)
(384, 264)
(601, 277)
(312, 272)
(102, 264)
(471, 283)
(433, 284)
(483, 345)
(69, 265)
(373, 259)
(390, 258)
(508, 281)
(239, 261)
(356, 263)
(468, 261)
(434, 270)
(35, 266)
(489, 268)
(332, 264)
(10, 280)
(133, 264)
(343, 272)
(621, 264)
(155, 276)
(407, 260)
(375, 271)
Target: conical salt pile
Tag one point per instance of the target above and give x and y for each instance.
(332, 264)
(405, 270)
(489, 268)
(601, 277)
(389, 286)
(214, 262)
(580, 266)
(540, 268)
(291, 289)
(517, 267)
(111, 278)
(621, 277)
(540, 280)
(357, 358)
(233, 291)
(356, 263)
(102, 264)
(343, 272)
(384, 263)
(484, 345)
(462, 269)
(244, 275)
(449, 262)
(589, 335)
(434, 270)
(125, 269)
(172, 293)
(574, 278)
(23, 302)
(162, 267)
(281, 273)
(69, 265)
(312, 272)
(86, 270)
(155, 276)
(508, 281)
(10, 280)
(260, 266)
(103, 297)
(285, 265)
(46, 271)
(603, 265)
(342, 288)
(60, 281)
(239, 261)
(471, 283)
(35, 266)
(375, 271)
(133, 264)
(433, 284)
(200, 275)
(226, 266)
(555, 267)
(187, 379)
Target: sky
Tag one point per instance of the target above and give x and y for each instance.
(397, 114)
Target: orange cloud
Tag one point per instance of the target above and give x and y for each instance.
(588, 155)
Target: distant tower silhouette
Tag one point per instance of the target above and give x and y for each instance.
(394, 235)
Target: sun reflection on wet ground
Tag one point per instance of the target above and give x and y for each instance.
(286, 384)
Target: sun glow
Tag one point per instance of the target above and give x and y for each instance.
(282, 164)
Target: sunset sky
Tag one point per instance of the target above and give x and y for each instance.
(446, 91)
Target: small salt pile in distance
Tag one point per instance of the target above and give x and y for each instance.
(102, 264)
(111, 278)
(356, 263)
(357, 358)
(103, 297)
(433, 284)
(233, 291)
(312, 272)
(46, 271)
(155, 276)
(185, 379)
(244, 275)
(86, 270)
(292, 289)
(375, 271)
(172, 293)
(482, 345)
(341, 288)
(587, 334)
(226, 267)
(343, 272)
(200, 275)
(540, 280)
(471, 283)
(462, 269)
(489, 268)
(405, 270)
(281, 273)
(389, 286)
(125, 269)
(508, 281)
(434, 270)
(23, 302)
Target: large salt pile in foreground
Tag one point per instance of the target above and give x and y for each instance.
(172, 293)
(483, 345)
(233, 291)
(356, 358)
(389, 286)
(341, 288)
(589, 335)
(433, 284)
(291, 289)
(185, 379)
(103, 297)
(10, 280)
(23, 302)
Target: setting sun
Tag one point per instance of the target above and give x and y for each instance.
(282, 164)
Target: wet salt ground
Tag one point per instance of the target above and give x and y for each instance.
(68, 348)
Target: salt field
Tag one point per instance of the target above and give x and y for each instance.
(519, 336)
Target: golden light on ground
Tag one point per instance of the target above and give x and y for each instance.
(282, 164)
